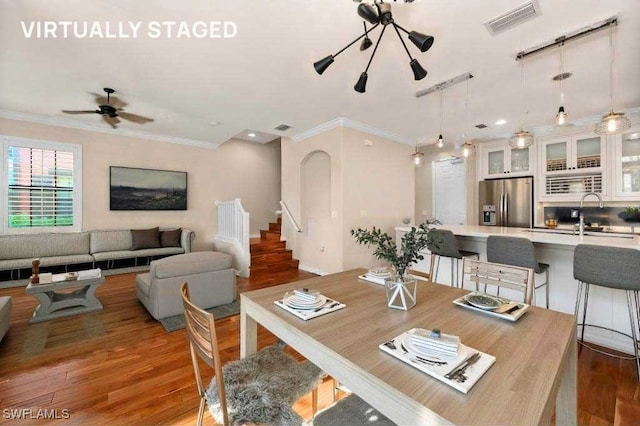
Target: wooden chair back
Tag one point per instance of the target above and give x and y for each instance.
(203, 343)
(501, 276)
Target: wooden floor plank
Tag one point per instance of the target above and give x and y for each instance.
(120, 366)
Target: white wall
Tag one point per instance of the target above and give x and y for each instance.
(370, 185)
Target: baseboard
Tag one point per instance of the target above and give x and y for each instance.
(254, 235)
(608, 339)
(313, 270)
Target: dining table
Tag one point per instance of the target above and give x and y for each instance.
(533, 377)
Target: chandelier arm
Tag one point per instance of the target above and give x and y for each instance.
(354, 41)
(398, 26)
(366, 32)
(375, 48)
(395, 27)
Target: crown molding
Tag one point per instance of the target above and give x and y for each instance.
(345, 122)
(72, 124)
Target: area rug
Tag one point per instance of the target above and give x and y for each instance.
(223, 311)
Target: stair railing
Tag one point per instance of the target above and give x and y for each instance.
(287, 213)
(233, 227)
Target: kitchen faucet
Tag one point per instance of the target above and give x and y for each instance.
(581, 225)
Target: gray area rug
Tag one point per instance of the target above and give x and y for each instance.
(352, 411)
(177, 322)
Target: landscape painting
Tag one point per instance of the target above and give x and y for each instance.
(147, 189)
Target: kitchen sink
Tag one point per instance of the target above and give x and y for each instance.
(587, 233)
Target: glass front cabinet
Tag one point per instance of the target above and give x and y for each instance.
(497, 159)
(571, 166)
(626, 165)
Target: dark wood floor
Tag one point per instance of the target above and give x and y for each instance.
(119, 365)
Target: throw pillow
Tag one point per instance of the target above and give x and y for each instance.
(170, 238)
(145, 238)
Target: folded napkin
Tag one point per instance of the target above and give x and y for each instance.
(306, 295)
(434, 342)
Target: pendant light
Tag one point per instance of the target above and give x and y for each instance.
(561, 116)
(440, 138)
(522, 138)
(467, 147)
(613, 122)
(417, 156)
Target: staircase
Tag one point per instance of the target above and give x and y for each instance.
(269, 254)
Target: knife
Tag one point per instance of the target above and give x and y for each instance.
(470, 359)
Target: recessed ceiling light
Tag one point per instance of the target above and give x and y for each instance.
(252, 135)
(501, 122)
(214, 123)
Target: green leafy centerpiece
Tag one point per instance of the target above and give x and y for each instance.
(401, 288)
(630, 214)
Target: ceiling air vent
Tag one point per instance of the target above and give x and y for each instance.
(514, 17)
(481, 126)
(283, 127)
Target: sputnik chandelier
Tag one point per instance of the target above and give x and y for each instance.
(379, 13)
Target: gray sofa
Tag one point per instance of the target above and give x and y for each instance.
(212, 282)
(62, 249)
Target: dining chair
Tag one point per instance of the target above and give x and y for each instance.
(614, 268)
(518, 251)
(260, 388)
(444, 244)
(501, 276)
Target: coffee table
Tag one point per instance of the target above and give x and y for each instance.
(56, 303)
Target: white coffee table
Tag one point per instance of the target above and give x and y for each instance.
(57, 303)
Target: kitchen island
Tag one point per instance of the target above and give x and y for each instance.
(607, 307)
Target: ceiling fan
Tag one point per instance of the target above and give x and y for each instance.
(112, 110)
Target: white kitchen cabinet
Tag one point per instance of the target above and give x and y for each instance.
(497, 159)
(626, 165)
(571, 166)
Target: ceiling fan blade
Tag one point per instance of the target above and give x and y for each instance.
(80, 112)
(134, 117)
(111, 121)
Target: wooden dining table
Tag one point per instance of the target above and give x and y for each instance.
(534, 374)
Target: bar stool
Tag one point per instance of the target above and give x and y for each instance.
(518, 251)
(444, 244)
(615, 268)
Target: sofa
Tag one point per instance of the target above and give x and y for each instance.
(212, 282)
(63, 249)
(5, 315)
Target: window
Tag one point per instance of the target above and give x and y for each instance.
(41, 186)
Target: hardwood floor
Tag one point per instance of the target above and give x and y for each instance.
(120, 366)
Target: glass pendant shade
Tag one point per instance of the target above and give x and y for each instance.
(418, 72)
(418, 158)
(323, 64)
(467, 149)
(612, 123)
(521, 139)
(361, 85)
(561, 117)
(440, 141)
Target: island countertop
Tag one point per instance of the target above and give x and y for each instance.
(543, 236)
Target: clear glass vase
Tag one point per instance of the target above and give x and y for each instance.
(401, 292)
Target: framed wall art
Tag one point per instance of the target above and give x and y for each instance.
(147, 189)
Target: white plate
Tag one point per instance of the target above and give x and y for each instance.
(297, 303)
(415, 350)
(483, 301)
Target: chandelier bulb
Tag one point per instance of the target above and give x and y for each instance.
(561, 117)
(611, 125)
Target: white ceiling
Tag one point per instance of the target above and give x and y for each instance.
(263, 77)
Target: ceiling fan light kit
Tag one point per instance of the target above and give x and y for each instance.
(379, 13)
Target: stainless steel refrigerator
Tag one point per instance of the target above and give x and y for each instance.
(506, 202)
